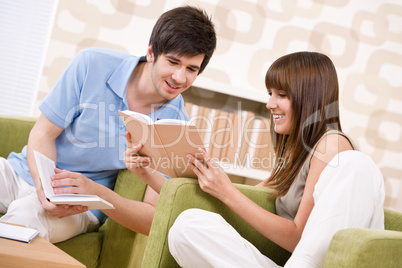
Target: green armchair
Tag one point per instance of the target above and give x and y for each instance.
(113, 245)
(116, 246)
(363, 248)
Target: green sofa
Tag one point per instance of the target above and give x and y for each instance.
(113, 245)
(361, 248)
(116, 246)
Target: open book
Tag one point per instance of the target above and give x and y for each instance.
(46, 170)
(166, 141)
(16, 232)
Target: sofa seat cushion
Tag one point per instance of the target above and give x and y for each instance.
(89, 243)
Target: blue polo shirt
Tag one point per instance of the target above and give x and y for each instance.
(85, 103)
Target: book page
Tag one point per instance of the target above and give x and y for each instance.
(143, 117)
(140, 132)
(170, 121)
(91, 201)
(46, 168)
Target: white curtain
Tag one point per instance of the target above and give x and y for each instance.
(25, 29)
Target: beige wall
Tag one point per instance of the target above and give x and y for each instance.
(363, 37)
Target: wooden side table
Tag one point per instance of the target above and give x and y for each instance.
(38, 253)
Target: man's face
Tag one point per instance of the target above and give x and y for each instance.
(172, 74)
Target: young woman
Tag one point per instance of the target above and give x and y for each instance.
(322, 183)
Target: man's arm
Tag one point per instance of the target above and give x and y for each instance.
(135, 215)
(42, 138)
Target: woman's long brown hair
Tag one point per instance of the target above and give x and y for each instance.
(311, 83)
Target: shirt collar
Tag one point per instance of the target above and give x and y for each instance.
(119, 78)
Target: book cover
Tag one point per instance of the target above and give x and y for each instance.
(18, 233)
(166, 141)
(46, 168)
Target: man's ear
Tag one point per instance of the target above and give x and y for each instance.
(150, 54)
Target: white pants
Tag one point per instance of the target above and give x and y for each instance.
(349, 194)
(20, 203)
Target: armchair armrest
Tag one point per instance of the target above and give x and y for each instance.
(365, 248)
(122, 247)
(180, 194)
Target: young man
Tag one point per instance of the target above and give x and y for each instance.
(81, 130)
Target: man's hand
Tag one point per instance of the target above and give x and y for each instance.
(66, 182)
(58, 211)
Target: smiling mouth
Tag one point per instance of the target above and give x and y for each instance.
(171, 87)
(277, 116)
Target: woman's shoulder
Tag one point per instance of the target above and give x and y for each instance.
(331, 145)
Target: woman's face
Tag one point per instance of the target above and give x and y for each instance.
(281, 110)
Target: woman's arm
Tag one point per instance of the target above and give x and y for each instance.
(284, 232)
(325, 151)
(139, 165)
(213, 180)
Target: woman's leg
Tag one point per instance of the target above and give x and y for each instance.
(200, 238)
(349, 194)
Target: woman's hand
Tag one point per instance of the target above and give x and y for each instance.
(211, 177)
(134, 162)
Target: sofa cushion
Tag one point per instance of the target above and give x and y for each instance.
(14, 132)
(89, 244)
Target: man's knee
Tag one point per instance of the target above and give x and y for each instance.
(28, 207)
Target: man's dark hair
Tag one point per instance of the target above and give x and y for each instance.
(187, 31)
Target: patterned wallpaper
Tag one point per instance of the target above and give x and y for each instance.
(362, 37)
